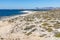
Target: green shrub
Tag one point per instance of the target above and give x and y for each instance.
(45, 24)
(49, 29)
(57, 35)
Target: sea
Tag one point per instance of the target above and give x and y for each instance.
(10, 12)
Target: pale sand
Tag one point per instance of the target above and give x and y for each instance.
(5, 28)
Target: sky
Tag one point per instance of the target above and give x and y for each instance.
(28, 4)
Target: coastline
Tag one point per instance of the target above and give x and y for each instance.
(31, 25)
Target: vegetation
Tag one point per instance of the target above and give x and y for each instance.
(49, 29)
(57, 25)
(29, 19)
(57, 35)
(10, 21)
(29, 27)
(47, 17)
(43, 35)
(45, 24)
(50, 26)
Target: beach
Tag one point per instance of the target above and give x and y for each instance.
(33, 25)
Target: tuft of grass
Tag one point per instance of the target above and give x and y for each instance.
(29, 27)
(43, 35)
(47, 17)
(10, 21)
(45, 24)
(50, 26)
(49, 29)
(57, 35)
(56, 26)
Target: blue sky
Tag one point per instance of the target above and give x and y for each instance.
(17, 4)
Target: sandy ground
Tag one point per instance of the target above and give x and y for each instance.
(5, 28)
